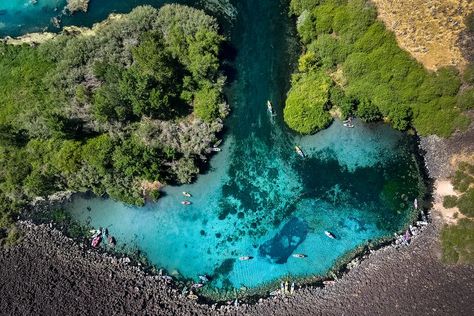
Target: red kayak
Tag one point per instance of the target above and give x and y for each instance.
(96, 241)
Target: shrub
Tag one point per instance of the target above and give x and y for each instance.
(447, 81)
(206, 103)
(457, 242)
(462, 180)
(154, 195)
(305, 110)
(468, 75)
(13, 236)
(466, 203)
(298, 6)
(343, 102)
(367, 111)
(450, 201)
(466, 99)
(308, 61)
(469, 21)
(442, 122)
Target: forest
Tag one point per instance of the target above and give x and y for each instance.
(119, 110)
(351, 65)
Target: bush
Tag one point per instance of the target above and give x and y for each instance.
(466, 203)
(308, 61)
(305, 110)
(469, 21)
(468, 75)
(343, 102)
(450, 201)
(206, 103)
(154, 195)
(457, 242)
(298, 6)
(442, 122)
(367, 111)
(13, 237)
(466, 99)
(462, 180)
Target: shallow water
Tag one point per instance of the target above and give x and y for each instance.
(259, 198)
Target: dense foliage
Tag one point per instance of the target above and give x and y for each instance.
(469, 21)
(306, 102)
(458, 240)
(78, 112)
(372, 76)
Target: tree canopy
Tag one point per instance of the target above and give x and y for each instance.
(343, 39)
(73, 110)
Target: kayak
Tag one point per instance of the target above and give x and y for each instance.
(192, 296)
(276, 292)
(166, 278)
(330, 235)
(299, 151)
(270, 108)
(96, 241)
(299, 255)
(111, 241)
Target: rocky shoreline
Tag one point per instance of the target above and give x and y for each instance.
(48, 273)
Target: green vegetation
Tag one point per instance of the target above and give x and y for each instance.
(466, 203)
(458, 240)
(468, 75)
(450, 201)
(466, 99)
(469, 21)
(463, 177)
(375, 78)
(305, 107)
(111, 111)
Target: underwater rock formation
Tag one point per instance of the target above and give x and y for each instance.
(280, 247)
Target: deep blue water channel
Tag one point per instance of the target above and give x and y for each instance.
(259, 198)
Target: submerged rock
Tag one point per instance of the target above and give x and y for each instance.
(77, 5)
(280, 247)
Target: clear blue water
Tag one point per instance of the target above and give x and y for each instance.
(259, 198)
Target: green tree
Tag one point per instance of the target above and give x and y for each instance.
(206, 103)
(368, 111)
(306, 105)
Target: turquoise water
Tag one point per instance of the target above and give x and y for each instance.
(258, 197)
